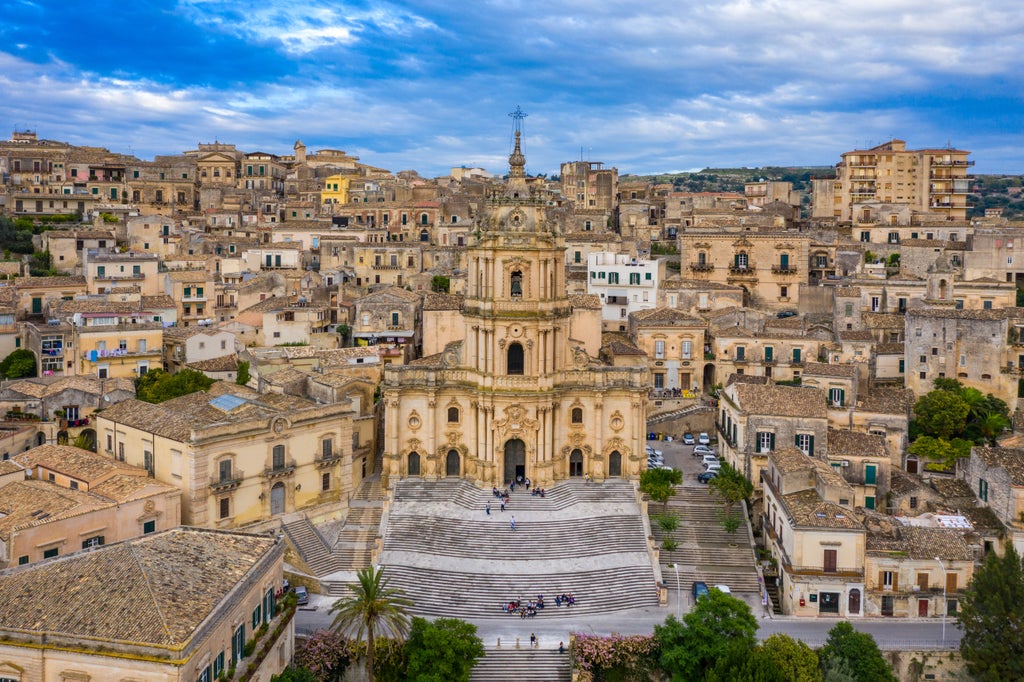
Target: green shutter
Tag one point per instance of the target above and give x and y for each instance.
(768, 353)
(842, 396)
(771, 442)
(810, 447)
(869, 502)
(870, 474)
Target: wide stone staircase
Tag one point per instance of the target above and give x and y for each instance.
(453, 559)
(353, 548)
(509, 663)
(705, 550)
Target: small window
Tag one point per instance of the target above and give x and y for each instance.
(50, 553)
(453, 415)
(225, 507)
(577, 415)
(148, 527)
(325, 482)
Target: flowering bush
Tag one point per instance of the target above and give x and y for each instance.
(594, 655)
(326, 654)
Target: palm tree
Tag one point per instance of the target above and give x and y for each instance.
(373, 607)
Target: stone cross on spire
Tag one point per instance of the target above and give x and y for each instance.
(516, 161)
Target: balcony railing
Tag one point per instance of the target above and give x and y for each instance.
(784, 269)
(329, 458)
(725, 436)
(839, 571)
(702, 267)
(232, 480)
(88, 355)
(747, 269)
(277, 471)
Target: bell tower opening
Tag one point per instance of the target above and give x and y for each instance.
(516, 362)
(516, 284)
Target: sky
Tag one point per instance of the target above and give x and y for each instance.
(647, 87)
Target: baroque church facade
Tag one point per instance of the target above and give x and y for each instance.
(525, 388)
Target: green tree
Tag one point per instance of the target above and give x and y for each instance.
(658, 484)
(859, 651)
(734, 487)
(741, 664)
(442, 650)
(158, 386)
(373, 608)
(326, 654)
(293, 674)
(797, 661)
(992, 618)
(243, 376)
(941, 413)
(20, 363)
(440, 283)
(945, 452)
(716, 623)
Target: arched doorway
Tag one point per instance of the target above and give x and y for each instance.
(277, 499)
(413, 464)
(40, 438)
(62, 437)
(452, 464)
(709, 376)
(515, 460)
(88, 437)
(576, 462)
(853, 603)
(615, 463)
(746, 296)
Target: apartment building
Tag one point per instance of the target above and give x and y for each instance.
(107, 269)
(926, 180)
(674, 344)
(624, 285)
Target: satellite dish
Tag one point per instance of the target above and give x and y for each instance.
(106, 398)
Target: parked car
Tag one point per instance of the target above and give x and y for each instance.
(723, 588)
(704, 439)
(302, 594)
(715, 466)
(703, 450)
(700, 588)
(688, 439)
(706, 476)
(709, 458)
(652, 451)
(783, 314)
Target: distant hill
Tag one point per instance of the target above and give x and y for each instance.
(733, 179)
(997, 191)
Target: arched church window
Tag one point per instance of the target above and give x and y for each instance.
(453, 414)
(515, 359)
(577, 415)
(516, 287)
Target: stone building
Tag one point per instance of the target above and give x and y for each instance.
(185, 604)
(996, 475)
(524, 391)
(239, 456)
(674, 344)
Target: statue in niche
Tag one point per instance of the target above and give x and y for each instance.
(516, 289)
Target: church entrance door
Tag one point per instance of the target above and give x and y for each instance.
(515, 460)
(576, 462)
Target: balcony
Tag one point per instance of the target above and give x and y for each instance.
(951, 162)
(286, 469)
(229, 482)
(742, 270)
(328, 459)
(121, 277)
(702, 267)
(837, 571)
(98, 355)
(194, 298)
(725, 436)
(784, 269)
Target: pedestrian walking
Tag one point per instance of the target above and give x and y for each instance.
(488, 508)
(512, 522)
(527, 481)
(503, 504)
(533, 640)
(561, 647)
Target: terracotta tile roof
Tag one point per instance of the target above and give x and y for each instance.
(782, 401)
(123, 488)
(28, 503)
(884, 320)
(185, 333)
(585, 301)
(679, 284)
(819, 369)
(158, 301)
(8, 466)
(667, 316)
(339, 357)
(789, 459)
(808, 509)
(40, 388)
(855, 335)
(285, 375)
(74, 462)
(225, 363)
(618, 343)
(886, 401)
(439, 301)
(1009, 459)
(950, 312)
(901, 483)
(397, 292)
(60, 281)
(945, 244)
(735, 378)
(153, 590)
(920, 543)
(845, 443)
(190, 276)
(952, 487)
(890, 348)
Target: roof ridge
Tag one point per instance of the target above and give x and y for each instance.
(132, 548)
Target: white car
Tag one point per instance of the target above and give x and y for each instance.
(703, 450)
(713, 466)
(704, 439)
(652, 451)
(709, 458)
(723, 588)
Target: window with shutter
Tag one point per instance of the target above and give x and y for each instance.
(830, 560)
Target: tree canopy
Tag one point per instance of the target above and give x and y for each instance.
(158, 386)
(443, 650)
(952, 418)
(941, 413)
(658, 484)
(717, 623)
(992, 618)
(858, 651)
(373, 608)
(19, 364)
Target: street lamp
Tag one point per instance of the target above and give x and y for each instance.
(945, 604)
(679, 595)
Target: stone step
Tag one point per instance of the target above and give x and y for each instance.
(509, 663)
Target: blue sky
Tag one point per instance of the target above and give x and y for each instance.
(655, 86)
